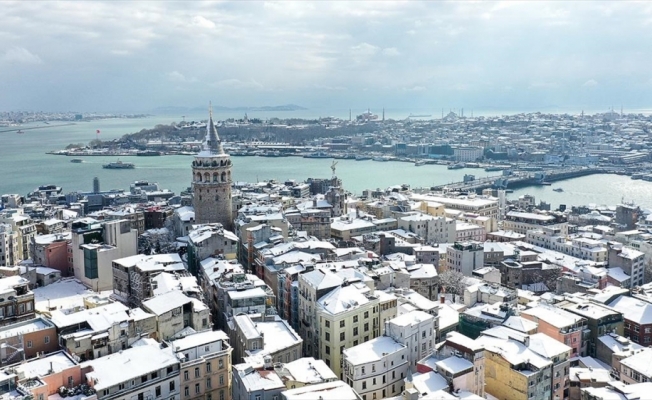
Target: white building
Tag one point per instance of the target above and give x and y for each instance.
(522, 222)
(465, 257)
(375, 369)
(141, 372)
(417, 331)
(431, 229)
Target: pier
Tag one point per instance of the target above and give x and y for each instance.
(517, 179)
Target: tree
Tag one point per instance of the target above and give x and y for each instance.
(450, 281)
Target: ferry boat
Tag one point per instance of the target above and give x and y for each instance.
(318, 154)
(148, 153)
(362, 158)
(456, 166)
(382, 158)
(76, 160)
(345, 156)
(496, 168)
(119, 165)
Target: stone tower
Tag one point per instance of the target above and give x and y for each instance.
(211, 180)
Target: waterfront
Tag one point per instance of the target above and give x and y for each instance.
(25, 154)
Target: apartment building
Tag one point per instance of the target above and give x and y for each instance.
(522, 222)
(255, 337)
(141, 372)
(430, 229)
(561, 325)
(515, 372)
(347, 316)
(465, 257)
(175, 311)
(313, 285)
(417, 331)
(375, 369)
(205, 365)
(210, 240)
(16, 300)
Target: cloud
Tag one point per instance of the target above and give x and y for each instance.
(330, 88)
(20, 55)
(365, 49)
(203, 22)
(416, 88)
(237, 84)
(590, 83)
(391, 52)
(176, 76)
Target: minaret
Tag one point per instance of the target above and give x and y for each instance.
(211, 180)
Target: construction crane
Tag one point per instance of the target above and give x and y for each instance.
(333, 167)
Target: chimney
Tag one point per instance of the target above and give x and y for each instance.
(442, 299)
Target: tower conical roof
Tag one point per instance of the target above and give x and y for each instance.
(212, 143)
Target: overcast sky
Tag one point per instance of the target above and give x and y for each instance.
(110, 56)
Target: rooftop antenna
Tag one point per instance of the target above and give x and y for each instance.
(384, 114)
(349, 115)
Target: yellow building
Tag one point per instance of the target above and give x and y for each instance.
(205, 365)
(514, 372)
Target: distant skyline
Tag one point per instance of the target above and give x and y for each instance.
(137, 56)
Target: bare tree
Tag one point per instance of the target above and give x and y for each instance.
(451, 282)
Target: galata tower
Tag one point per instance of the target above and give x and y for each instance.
(211, 180)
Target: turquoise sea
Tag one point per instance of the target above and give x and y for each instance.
(24, 166)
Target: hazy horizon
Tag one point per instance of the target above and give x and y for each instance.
(128, 56)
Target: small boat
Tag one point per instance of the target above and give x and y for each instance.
(362, 158)
(20, 132)
(382, 158)
(76, 160)
(119, 165)
(557, 190)
(420, 163)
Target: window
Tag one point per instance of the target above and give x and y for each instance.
(366, 327)
(185, 375)
(342, 336)
(208, 367)
(327, 323)
(197, 372)
(197, 388)
(141, 396)
(342, 324)
(362, 371)
(221, 394)
(355, 319)
(221, 380)
(366, 314)
(21, 308)
(208, 383)
(29, 344)
(186, 391)
(121, 386)
(157, 390)
(220, 363)
(154, 374)
(355, 331)
(47, 339)
(327, 336)
(172, 386)
(328, 350)
(364, 385)
(143, 379)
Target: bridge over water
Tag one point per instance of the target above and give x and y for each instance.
(518, 179)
